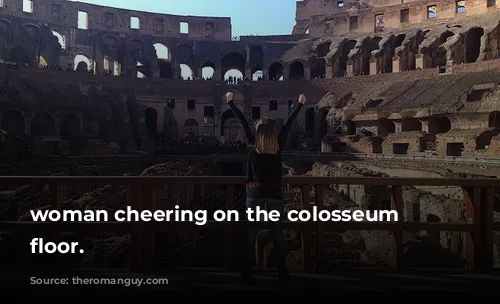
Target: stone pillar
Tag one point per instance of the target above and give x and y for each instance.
(248, 74)
(350, 68)
(423, 61)
(396, 64)
(329, 70)
(425, 125)
(397, 124)
(374, 66)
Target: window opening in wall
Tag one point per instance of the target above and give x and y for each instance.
(491, 3)
(477, 95)
(460, 6)
(379, 23)
(353, 22)
(255, 112)
(135, 23)
(405, 16)
(27, 6)
(273, 105)
(432, 12)
(340, 3)
(208, 111)
(191, 104)
(83, 21)
(184, 27)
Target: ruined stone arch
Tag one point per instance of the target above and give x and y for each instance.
(370, 44)
(297, 70)
(275, 71)
(385, 127)
(473, 44)
(151, 122)
(323, 49)
(343, 57)
(82, 63)
(60, 38)
(439, 124)
(43, 124)
(164, 60)
(6, 32)
(113, 50)
(12, 122)
(409, 124)
(208, 70)
(233, 65)
(407, 60)
(191, 127)
(483, 140)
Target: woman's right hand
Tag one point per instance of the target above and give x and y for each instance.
(229, 96)
(302, 98)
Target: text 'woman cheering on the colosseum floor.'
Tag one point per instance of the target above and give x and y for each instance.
(264, 175)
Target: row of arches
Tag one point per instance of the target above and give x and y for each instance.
(13, 123)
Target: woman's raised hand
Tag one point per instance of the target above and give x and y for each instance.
(302, 98)
(229, 96)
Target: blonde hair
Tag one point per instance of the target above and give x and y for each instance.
(266, 140)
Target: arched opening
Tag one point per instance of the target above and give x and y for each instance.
(191, 127)
(43, 125)
(473, 44)
(318, 69)
(320, 125)
(483, 140)
(233, 76)
(82, 64)
(111, 67)
(494, 120)
(386, 127)
(114, 51)
(164, 60)
(208, 70)
(42, 63)
(407, 62)
(186, 72)
(409, 124)
(438, 52)
(151, 121)
(323, 49)
(309, 122)
(276, 71)
(208, 126)
(371, 44)
(13, 122)
(257, 73)
(61, 39)
(344, 57)
(297, 71)
(70, 130)
(439, 125)
(231, 63)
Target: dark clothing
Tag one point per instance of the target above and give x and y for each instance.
(253, 229)
(264, 171)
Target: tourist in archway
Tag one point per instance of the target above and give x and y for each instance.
(264, 175)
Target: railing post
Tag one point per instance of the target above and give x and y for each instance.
(479, 243)
(230, 248)
(136, 235)
(306, 229)
(398, 245)
(319, 201)
(148, 230)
